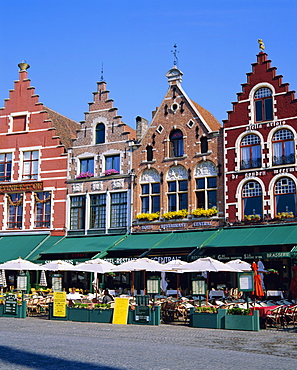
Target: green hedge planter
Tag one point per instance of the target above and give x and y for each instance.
(78, 314)
(239, 322)
(103, 316)
(84, 315)
(208, 320)
(155, 317)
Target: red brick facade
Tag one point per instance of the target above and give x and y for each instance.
(260, 148)
(33, 162)
(180, 146)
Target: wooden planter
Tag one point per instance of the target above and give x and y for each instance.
(239, 322)
(21, 311)
(155, 317)
(103, 316)
(208, 320)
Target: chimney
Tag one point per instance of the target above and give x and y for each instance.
(141, 127)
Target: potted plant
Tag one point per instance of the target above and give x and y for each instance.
(84, 175)
(102, 312)
(201, 212)
(284, 215)
(148, 216)
(111, 172)
(242, 319)
(251, 218)
(78, 312)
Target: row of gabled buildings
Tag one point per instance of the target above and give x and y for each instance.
(181, 186)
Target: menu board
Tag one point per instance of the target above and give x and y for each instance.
(59, 304)
(10, 306)
(245, 281)
(120, 312)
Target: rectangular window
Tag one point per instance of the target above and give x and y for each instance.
(77, 212)
(206, 192)
(30, 165)
(87, 165)
(178, 200)
(42, 209)
(118, 210)
(15, 211)
(5, 166)
(98, 211)
(150, 198)
(112, 162)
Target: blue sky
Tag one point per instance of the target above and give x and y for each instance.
(66, 42)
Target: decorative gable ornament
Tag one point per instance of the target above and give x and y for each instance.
(77, 188)
(149, 176)
(98, 185)
(174, 74)
(206, 168)
(177, 173)
(117, 184)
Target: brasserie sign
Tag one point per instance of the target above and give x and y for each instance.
(21, 187)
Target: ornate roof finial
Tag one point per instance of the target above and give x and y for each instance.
(261, 44)
(102, 78)
(175, 51)
(23, 66)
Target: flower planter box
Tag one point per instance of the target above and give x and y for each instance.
(208, 320)
(240, 322)
(155, 317)
(103, 316)
(78, 314)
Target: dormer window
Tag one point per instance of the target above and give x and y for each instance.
(263, 105)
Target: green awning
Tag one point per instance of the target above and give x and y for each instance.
(43, 246)
(14, 246)
(254, 236)
(83, 244)
(139, 241)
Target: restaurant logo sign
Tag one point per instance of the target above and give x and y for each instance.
(21, 187)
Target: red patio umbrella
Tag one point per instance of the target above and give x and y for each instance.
(258, 292)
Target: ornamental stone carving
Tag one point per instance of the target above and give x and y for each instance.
(117, 184)
(150, 176)
(206, 168)
(177, 173)
(98, 185)
(77, 188)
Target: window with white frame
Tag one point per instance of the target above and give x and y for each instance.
(112, 162)
(150, 191)
(100, 133)
(250, 151)
(15, 211)
(206, 185)
(77, 212)
(283, 147)
(252, 199)
(98, 211)
(176, 143)
(87, 165)
(42, 209)
(285, 196)
(30, 165)
(5, 166)
(118, 210)
(263, 104)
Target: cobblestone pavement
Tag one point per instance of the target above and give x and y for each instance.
(34, 343)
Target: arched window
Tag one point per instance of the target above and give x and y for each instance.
(176, 143)
(283, 147)
(206, 185)
(263, 105)
(285, 196)
(204, 144)
(252, 199)
(149, 153)
(100, 133)
(250, 149)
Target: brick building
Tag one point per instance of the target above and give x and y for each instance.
(177, 163)
(33, 169)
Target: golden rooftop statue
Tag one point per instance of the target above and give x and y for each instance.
(23, 66)
(261, 44)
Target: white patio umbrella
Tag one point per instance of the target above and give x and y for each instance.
(58, 265)
(208, 264)
(20, 265)
(96, 265)
(239, 264)
(43, 281)
(141, 264)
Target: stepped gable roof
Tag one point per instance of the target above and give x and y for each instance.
(65, 127)
(209, 118)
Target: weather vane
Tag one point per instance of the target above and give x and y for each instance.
(261, 44)
(102, 78)
(175, 51)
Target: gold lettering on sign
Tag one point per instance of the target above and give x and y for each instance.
(22, 187)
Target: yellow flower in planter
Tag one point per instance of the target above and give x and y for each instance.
(201, 212)
(148, 216)
(176, 214)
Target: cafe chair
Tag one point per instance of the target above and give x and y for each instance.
(276, 318)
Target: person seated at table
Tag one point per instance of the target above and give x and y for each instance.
(107, 298)
(74, 294)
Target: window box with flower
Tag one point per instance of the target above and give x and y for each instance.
(142, 217)
(183, 213)
(252, 218)
(110, 172)
(201, 212)
(284, 215)
(84, 175)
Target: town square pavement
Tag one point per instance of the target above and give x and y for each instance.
(35, 343)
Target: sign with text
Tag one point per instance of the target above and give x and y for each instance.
(120, 312)
(10, 306)
(59, 304)
(21, 187)
(246, 281)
